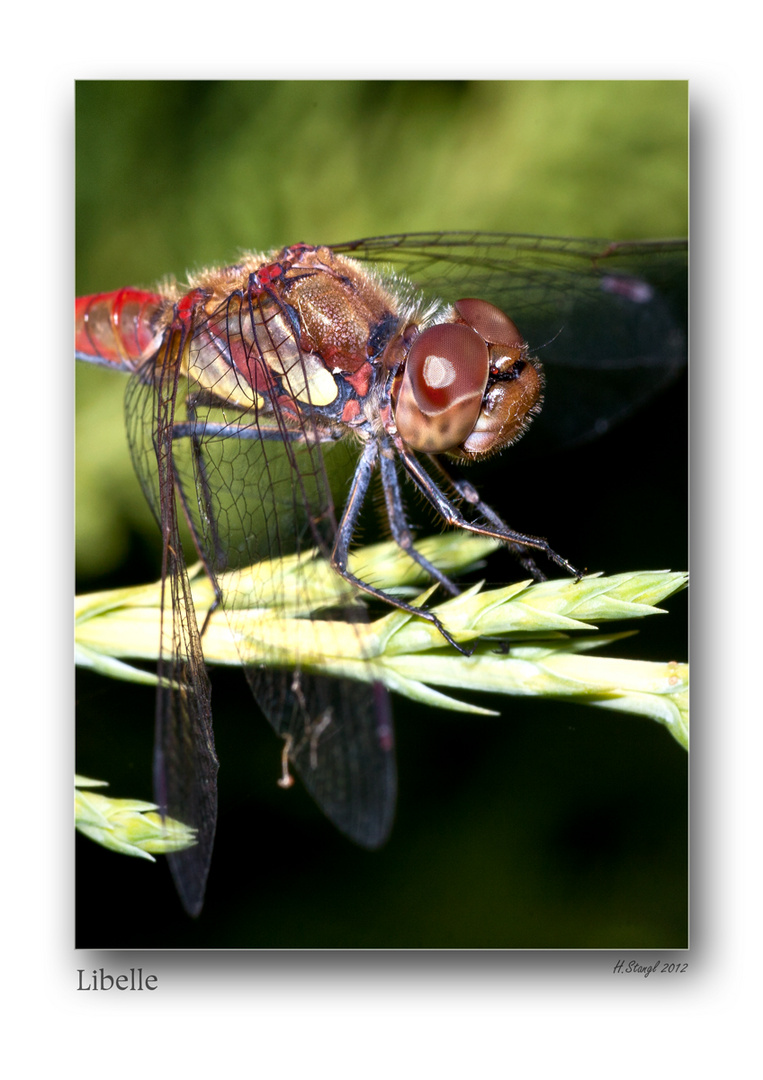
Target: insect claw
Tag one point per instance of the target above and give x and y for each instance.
(448, 637)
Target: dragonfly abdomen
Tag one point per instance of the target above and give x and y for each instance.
(119, 329)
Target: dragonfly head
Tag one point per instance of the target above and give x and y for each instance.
(469, 387)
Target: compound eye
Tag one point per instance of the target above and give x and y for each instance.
(442, 387)
(489, 322)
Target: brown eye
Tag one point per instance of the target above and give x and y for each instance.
(515, 388)
(442, 386)
(489, 322)
(508, 407)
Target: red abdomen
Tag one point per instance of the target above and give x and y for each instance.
(119, 329)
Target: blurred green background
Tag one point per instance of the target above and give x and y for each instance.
(549, 828)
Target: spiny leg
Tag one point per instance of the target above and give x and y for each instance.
(450, 513)
(398, 522)
(340, 554)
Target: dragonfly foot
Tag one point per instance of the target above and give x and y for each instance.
(430, 617)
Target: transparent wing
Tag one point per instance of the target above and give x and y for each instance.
(607, 320)
(185, 764)
(252, 478)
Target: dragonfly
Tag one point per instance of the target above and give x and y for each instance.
(419, 352)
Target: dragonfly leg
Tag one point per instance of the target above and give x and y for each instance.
(398, 522)
(450, 513)
(468, 493)
(340, 554)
